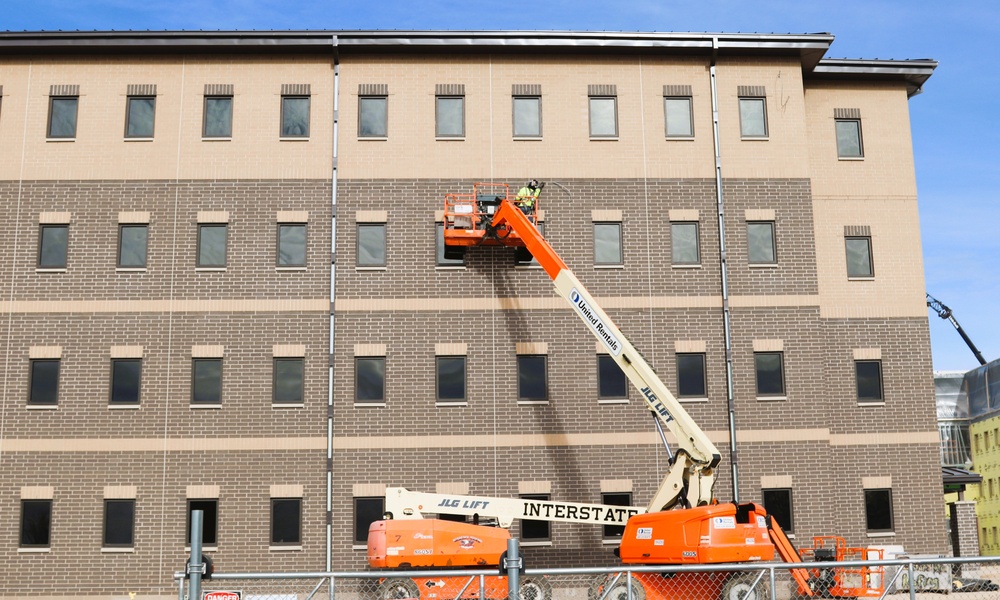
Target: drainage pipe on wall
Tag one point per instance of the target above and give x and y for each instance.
(333, 286)
(730, 402)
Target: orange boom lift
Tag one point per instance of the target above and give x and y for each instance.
(682, 524)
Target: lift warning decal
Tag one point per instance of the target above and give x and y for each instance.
(595, 322)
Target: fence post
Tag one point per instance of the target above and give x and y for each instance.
(180, 589)
(513, 569)
(628, 585)
(195, 564)
(774, 584)
(909, 575)
(330, 591)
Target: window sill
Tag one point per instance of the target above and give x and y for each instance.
(117, 550)
(289, 268)
(209, 269)
(849, 158)
(871, 403)
(42, 406)
(58, 140)
(284, 548)
(203, 549)
(849, 278)
(611, 541)
(130, 269)
(280, 405)
(138, 139)
(538, 544)
(373, 139)
(604, 139)
(216, 139)
(611, 267)
(369, 404)
(695, 400)
(359, 547)
(697, 266)
(33, 550)
(763, 265)
(772, 398)
(527, 138)
(450, 268)
(50, 270)
(304, 138)
(753, 138)
(532, 402)
(370, 268)
(449, 139)
(881, 534)
(680, 138)
(123, 407)
(612, 400)
(441, 403)
(205, 406)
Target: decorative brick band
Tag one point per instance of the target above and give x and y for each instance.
(677, 90)
(526, 89)
(371, 216)
(873, 483)
(37, 492)
(449, 89)
(456, 349)
(857, 230)
(208, 351)
(532, 348)
(602, 89)
(120, 492)
(769, 345)
(213, 216)
(452, 487)
(616, 485)
(202, 491)
(751, 91)
(139, 217)
(45, 352)
(867, 354)
(141, 89)
(64, 90)
(847, 113)
(759, 214)
(54, 218)
(218, 89)
(126, 351)
(373, 89)
(369, 350)
(368, 489)
(534, 487)
(288, 351)
(286, 491)
(690, 346)
(293, 216)
(775, 481)
(677, 214)
(296, 89)
(606, 215)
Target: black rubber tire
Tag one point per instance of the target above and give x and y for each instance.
(739, 588)
(599, 589)
(535, 588)
(397, 588)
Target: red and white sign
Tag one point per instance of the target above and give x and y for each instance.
(222, 595)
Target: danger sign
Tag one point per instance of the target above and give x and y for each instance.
(222, 595)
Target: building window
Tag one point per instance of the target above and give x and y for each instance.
(44, 387)
(295, 116)
(753, 117)
(369, 379)
(869, 379)
(140, 115)
(286, 521)
(878, 511)
(532, 530)
(367, 510)
(760, 243)
(62, 117)
(691, 376)
(53, 246)
(859, 257)
(450, 378)
(209, 521)
(531, 378)
(603, 116)
(373, 116)
(292, 245)
(119, 523)
(371, 244)
(527, 116)
(126, 377)
(212, 244)
(449, 111)
(778, 504)
(206, 381)
(678, 117)
(849, 138)
(289, 381)
(608, 244)
(611, 380)
(770, 373)
(218, 121)
(133, 240)
(684, 247)
(447, 256)
(613, 532)
(36, 523)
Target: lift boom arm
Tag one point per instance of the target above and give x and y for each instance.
(690, 477)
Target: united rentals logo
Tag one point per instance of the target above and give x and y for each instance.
(594, 321)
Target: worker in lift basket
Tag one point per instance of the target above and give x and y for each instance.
(527, 195)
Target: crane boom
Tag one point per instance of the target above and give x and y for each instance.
(944, 312)
(690, 477)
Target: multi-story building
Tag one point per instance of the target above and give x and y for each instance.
(226, 289)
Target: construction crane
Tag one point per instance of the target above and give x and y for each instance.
(945, 313)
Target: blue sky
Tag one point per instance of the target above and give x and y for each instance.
(955, 124)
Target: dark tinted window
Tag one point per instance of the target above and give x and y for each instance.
(206, 381)
(289, 380)
(611, 380)
(36, 523)
(369, 379)
(770, 376)
(691, 376)
(126, 375)
(778, 504)
(286, 521)
(210, 521)
(52, 246)
(450, 378)
(531, 384)
(366, 512)
(119, 523)
(44, 385)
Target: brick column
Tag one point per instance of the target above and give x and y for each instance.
(964, 535)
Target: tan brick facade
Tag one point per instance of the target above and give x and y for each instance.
(243, 452)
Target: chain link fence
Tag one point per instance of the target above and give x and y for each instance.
(918, 579)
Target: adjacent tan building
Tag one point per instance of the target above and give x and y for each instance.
(222, 246)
